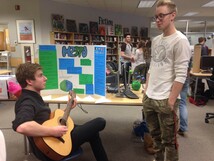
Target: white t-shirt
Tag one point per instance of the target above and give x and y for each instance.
(138, 57)
(127, 49)
(169, 63)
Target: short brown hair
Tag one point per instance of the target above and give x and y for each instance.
(201, 39)
(26, 71)
(171, 5)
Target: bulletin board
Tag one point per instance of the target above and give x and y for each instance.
(74, 67)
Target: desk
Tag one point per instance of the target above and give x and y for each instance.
(199, 76)
(5, 72)
(110, 99)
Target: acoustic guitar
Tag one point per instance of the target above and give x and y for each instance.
(56, 148)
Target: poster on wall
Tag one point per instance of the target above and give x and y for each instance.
(144, 32)
(58, 22)
(93, 27)
(118, 30)
(134, 31)
(71, 25)
(68, 67)
(25, 31)
(83, 28)
(126, 30)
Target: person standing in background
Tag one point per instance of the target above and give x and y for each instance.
(204, 48)
(140, 63)
(183, 112)
(167, 73)
(126, 56)
(147, 54)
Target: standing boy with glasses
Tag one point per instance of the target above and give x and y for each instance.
(167, 73)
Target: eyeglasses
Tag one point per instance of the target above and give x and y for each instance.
(161, 16)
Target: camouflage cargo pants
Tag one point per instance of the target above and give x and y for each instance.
(162, 123)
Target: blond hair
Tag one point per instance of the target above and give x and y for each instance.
(171, 5)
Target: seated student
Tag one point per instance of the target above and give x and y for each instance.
(31, 111)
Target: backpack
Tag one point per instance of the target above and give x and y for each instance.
(139, 128)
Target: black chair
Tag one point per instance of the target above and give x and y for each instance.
(210, 83)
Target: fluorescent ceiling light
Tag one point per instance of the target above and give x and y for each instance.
(191, 13)
(209, 4)
(146, 3)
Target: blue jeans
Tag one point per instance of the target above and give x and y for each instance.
(183, 107)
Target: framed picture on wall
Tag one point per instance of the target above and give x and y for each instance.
(83, 28)
(71, 25)
(144, 32)
(93, 27)
(25, 31)
(58, 22)
(126, 30)
(27, 53)
(134, 31)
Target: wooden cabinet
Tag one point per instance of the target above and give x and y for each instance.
(58, 37)
(2, 41)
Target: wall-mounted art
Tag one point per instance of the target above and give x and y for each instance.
(125, 30)
(71, 25)
(102, 30)
(93, 27)
(25, 31)
(83, 28)
(58, 22)
(118, 30)
(144, 32)
(134, 31)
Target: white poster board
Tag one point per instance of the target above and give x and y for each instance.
(74, 67)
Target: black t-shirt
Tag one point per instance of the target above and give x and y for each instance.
(31, 107)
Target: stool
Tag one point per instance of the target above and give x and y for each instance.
(71, 156)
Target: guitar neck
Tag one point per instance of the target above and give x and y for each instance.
(67, 112)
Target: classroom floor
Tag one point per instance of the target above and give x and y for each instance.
(117, 137)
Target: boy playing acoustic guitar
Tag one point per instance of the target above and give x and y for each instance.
(31, 112)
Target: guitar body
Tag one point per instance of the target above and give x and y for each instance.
(52, 147)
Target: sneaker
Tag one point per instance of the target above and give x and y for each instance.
(181, 132)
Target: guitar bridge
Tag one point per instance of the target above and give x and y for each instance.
(61, 139)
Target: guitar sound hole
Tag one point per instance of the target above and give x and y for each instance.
(62, 122)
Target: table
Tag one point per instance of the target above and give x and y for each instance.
(198, 76)
(110, 99)
(5, 72)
